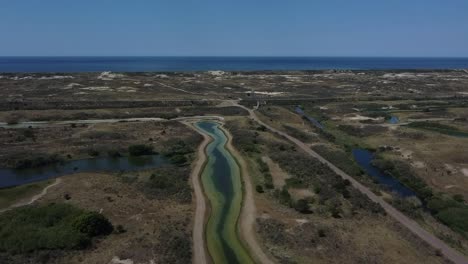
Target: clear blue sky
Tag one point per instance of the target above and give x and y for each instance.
(233, 28)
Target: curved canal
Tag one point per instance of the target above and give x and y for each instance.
(222, 185)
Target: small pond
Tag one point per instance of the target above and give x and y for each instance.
(14, 177)
(364, 159)
(394, 120)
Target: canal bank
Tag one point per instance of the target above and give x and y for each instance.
(222, 184)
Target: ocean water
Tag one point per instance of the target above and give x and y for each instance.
(148, 64)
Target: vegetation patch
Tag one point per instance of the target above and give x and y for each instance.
(54, 226)
(341, 159)
(449, 210)
(38, 160)
(265, 170)
(140, 150)
(168, 183)
(440, 128)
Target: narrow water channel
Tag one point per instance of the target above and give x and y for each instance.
(222, 185)
(15, 177)
(364, 159)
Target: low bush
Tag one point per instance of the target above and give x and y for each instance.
(302, 206)
(37, 161)
(455, 218)
(168, 182)
(341, 159)
(92, 224)
(139, 150)
(265, 170)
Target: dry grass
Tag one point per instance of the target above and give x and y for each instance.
(143, 219)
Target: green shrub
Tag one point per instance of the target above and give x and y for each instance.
(438, 204)
(38, 160)
(139, 150)
(113, 153)
(459, 198)
(341, 159)
(259, 189)
(93, 224)
(93, 152)
(302, 206)
(455, 218)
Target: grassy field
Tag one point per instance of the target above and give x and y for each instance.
(9, 196)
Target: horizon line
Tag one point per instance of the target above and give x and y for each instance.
(231, 56)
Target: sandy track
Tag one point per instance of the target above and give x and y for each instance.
(198, 233)
(450, 253)
(35, 197)
(248, 212)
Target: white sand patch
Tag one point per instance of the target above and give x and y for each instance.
(449, 186)
(57, 77)
(97, 88)
(406, 153)
(406, 75)
(302, 221)
(268, 93)
(16, 78)
(388, 107)
(464, 171)
(117, 260)
(217, 73)
(323, 108)
(361, 117)
(278, 175)
(419, 164)
(71, 85)
(449, 167)
(78, 93)
(162, 76)
(414, 91)
(109, 76)
(464, 93)
(265, 216)
(148, 85)
(300, 193)
(227, 88)
(127, 89)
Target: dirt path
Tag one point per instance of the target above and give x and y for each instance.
(198, 233)
(450, 253)
(34, 198)
(177, 89)
(249, 211)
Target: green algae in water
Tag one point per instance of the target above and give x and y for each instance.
(222, 185)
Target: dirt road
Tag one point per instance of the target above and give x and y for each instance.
(450, 253)
(35, 197)
(249, 212)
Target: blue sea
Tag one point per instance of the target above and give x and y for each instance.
(158, 64)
